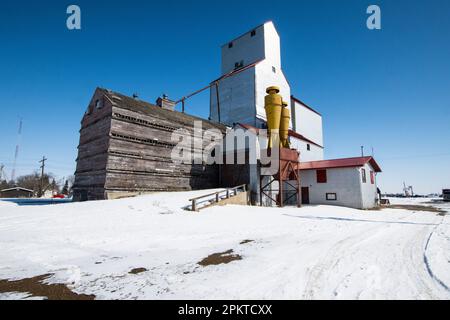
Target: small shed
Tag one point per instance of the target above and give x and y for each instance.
(16, 192)
(349, 182)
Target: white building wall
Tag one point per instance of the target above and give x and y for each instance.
(314, 154)
(242, 94)
(237, 99)
(266, 77)
(307, 122)
(345, 182)
(272, 46)
(246, 49)
(368, 190)
(265, 44)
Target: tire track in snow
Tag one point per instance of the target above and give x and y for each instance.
(427, 264)
(338, 252)
(351, 246)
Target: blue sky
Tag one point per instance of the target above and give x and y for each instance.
(388, 89)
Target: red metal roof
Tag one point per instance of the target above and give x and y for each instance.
(291, 134)
(340, 163)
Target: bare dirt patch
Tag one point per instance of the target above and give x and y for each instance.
(220, 258)
(35, 287)
(416, 208)
(137, 270)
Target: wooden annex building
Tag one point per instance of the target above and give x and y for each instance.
(125, 149)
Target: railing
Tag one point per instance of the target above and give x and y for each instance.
(215, 197)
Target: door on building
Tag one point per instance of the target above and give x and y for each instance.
(305, 195)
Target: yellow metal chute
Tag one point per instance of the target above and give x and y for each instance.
(273, 105)
(278, 118)
(284, 125)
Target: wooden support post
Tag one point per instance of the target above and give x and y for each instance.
(228, 193)
(280, 178)
(182, 105)
(194, 205)
(260, 189)
(217, 197)
(299, 201)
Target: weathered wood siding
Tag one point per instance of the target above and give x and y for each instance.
(126, 146)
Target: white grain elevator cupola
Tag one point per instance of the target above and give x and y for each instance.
(250, 64)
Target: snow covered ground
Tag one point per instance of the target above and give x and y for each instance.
(314, 252)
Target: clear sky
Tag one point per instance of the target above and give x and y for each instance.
(388, 89)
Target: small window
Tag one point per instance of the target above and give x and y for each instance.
(230, 45)
(253, 33)
(372, 177)
(98, 104)
(331, 196)
(239, 64)
(363, 175)
(274, 70)
(321, 176)
(308, 147)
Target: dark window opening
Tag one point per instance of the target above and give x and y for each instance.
(253, 33)
(239, 64)
(308, 147)
(331, 196)
(363, 174)
(372, 177)
(98, 104)
(274, 70)
(321, 176)
(230, 45)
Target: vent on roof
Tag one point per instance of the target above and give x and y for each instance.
(165, 103)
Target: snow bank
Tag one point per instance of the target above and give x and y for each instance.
(7, 204)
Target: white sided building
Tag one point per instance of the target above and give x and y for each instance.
(349, 182)
(250, 64)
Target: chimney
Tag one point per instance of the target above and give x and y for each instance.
(165, 103)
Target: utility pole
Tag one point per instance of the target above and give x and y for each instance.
(362, 151)
(41, 191)
(16, 154)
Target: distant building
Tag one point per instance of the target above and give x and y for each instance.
(446, 194)
(16, 192)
